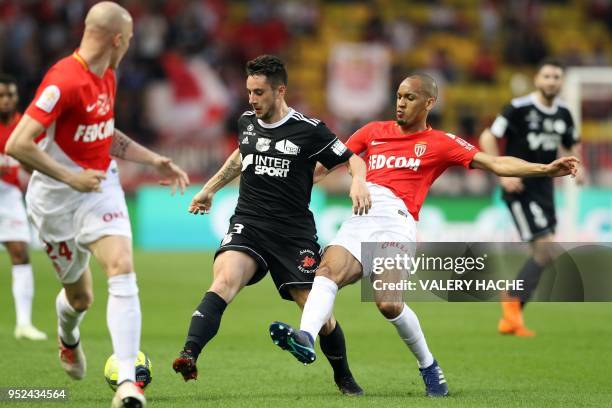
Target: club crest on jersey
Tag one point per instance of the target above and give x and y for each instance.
(263, 144)
(287, 147)
(419, 148)
(533, 118)
(103, 104)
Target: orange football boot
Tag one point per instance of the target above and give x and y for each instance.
(512, 317)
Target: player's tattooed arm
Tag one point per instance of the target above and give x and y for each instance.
(120, 145)
(171, 175)
(229, 171)
(202, 201)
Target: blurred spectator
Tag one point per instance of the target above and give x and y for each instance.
(441, 62)
(484, 66)
(402, 35)
(374, 29)
(300, 17)
(489, 21)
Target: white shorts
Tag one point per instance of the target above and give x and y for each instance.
(386, 229)
(67, 235)
(14, 225)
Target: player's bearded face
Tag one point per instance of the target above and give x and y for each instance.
(548, 81)
(262, 96)
(410, 104)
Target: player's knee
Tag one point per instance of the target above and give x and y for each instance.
(19, 253)
(340, 276)
(225, 287)
(20, 257)
(390, 309)
(80, 301)
(121, 265)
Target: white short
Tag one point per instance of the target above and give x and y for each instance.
(387, 229)
(14, 225)
(67, 235)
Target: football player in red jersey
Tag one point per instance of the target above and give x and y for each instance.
(74, 196)
(14, 226)
(404, 158)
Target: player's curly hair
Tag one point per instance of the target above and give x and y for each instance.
(269, 66)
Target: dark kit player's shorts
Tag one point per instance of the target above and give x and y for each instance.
(292, 261)
(534, 216)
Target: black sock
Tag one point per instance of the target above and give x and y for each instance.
(205, 323)
(530, 274)
(334, 348)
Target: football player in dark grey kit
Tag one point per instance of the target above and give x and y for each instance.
(534, 127)
(272, 228)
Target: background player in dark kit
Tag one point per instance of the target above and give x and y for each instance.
(272, 227)
(534, 127)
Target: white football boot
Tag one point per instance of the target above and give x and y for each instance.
(129, 395)
(29, 332)
(72, 360)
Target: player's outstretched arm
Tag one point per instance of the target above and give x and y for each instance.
(509, 166)
(21, 146)
(125, 148)
(359, 193)
(202, 201)
(488, 144)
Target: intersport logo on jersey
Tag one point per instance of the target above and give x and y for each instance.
(379, 161)
(266, 165)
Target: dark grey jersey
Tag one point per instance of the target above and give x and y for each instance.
(278, 161)
(534, 132)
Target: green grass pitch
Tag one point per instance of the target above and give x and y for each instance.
(569, 363)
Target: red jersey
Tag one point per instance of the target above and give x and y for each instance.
(408, 164)
(9, 167)
(77, 109)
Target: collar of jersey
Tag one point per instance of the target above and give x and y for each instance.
(398, 129)
(276, 124)
(545, 109)
(80, 60)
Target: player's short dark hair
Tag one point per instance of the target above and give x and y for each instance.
(428, 84)
(550, 61)
(7, 79)
(269, 66)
